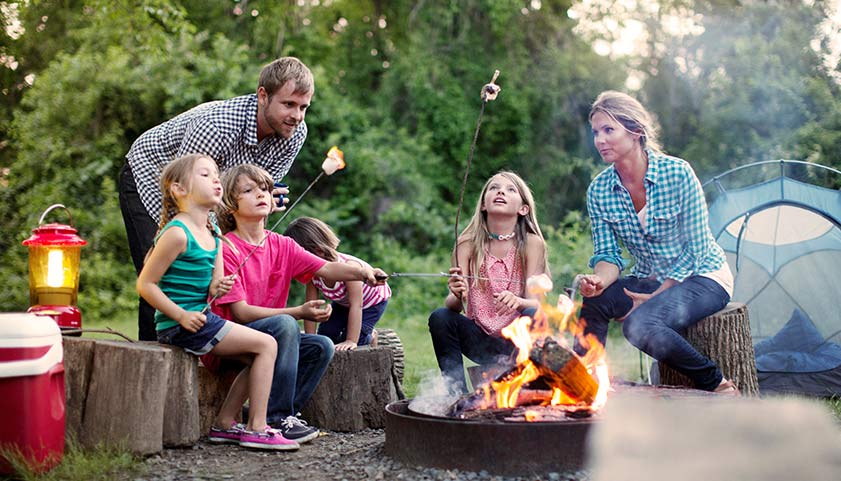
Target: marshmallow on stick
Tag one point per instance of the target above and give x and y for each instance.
(334, 161)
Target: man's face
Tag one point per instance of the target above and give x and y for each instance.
(280, 113)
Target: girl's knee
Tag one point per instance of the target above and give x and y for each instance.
(439, 320)
(267, 345)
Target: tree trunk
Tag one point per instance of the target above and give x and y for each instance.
(354, 391)
(181, 426)
(78, 364)
(126, 396)
(725, 338)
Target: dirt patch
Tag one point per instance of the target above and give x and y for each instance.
(332, 456)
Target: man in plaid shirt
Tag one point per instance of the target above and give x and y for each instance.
(266, 128)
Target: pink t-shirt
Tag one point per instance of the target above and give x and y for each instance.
(371, 295)
(265, 278)
(508, 276)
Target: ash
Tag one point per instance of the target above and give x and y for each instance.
(331, 457)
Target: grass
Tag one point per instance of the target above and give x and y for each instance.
(100, 463)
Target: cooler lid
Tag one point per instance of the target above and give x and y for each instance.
(26, 326)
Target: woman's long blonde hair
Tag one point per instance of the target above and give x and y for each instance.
(630, 114)
(475, 235)
(230, 204)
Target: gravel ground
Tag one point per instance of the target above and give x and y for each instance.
(332, 456)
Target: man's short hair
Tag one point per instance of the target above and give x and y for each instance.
(275, 75)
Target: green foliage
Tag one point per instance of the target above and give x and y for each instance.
(397, 88)
(77, 464)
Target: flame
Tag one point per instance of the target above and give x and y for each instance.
(560, 320)
(334, 161)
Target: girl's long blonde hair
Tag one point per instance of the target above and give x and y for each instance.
(178, 171)
(475, 235)
(315, 236)
(230, 192)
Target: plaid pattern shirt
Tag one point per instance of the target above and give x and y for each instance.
(226, 130)
(677, 241)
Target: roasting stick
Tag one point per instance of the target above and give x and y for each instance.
(445, 274)
(488, 93)
(334, 161)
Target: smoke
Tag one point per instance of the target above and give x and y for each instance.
(436, 393)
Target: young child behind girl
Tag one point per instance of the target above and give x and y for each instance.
(502, 246)
(356, 306)
(181, 270)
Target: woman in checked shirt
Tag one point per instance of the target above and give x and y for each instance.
(652, 204)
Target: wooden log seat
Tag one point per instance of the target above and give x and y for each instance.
(725, 338)
(354, 391)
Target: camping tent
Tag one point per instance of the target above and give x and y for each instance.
(780, 224)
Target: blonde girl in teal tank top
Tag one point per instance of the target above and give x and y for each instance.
(181, 272)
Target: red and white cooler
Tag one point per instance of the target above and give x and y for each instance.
(31, 390)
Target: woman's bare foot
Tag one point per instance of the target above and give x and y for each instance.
(727, 388)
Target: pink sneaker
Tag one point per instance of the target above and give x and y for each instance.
(267, 439)
(230, 436)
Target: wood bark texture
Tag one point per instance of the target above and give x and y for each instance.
(725, 338)
(126, 396)
(354, 391)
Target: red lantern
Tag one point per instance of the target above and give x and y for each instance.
(54, 255)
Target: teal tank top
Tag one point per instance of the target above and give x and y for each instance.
(187, 281)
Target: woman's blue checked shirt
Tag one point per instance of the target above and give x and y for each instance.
(677, 241)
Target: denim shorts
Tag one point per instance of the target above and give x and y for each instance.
(214, 329)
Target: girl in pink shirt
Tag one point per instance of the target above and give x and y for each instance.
(500, 248)
(356, 306)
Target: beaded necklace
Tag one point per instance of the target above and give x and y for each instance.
(501, 237)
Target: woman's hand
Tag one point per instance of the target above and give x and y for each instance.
(192, 321)
(638, 299)
(507, 302)
(456, 283)
(591, 285)
(317, 310)
(346, 346)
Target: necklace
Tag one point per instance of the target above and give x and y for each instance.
(501, 237)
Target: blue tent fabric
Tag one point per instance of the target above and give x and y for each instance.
(797, 347)
(782, 237)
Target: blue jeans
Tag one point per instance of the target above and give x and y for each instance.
(336, 327)
(656, 327)
(454, 334)
(302, 360)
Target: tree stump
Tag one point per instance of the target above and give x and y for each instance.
(78, 364)
(181, 426)
(725, 338)
(389, 338)
(213, 388)
(354, 391)
(126, 396)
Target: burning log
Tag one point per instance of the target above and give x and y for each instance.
(562, 369)
(558, 367)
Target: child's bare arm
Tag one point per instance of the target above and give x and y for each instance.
(354, 320)
(458, 285)
(341, 271)
(311, 319)
(221, 284)
(168, 247)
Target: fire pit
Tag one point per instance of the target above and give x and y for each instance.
(498, 447)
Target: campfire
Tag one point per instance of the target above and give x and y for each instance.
(548, 381)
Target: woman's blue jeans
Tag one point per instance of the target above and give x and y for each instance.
(454, 334)
(657, 326)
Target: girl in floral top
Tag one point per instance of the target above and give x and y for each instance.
(356, 306)
(500, 248)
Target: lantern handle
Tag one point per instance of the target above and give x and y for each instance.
(55, 206)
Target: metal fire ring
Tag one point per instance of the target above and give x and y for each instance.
(502, 448)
